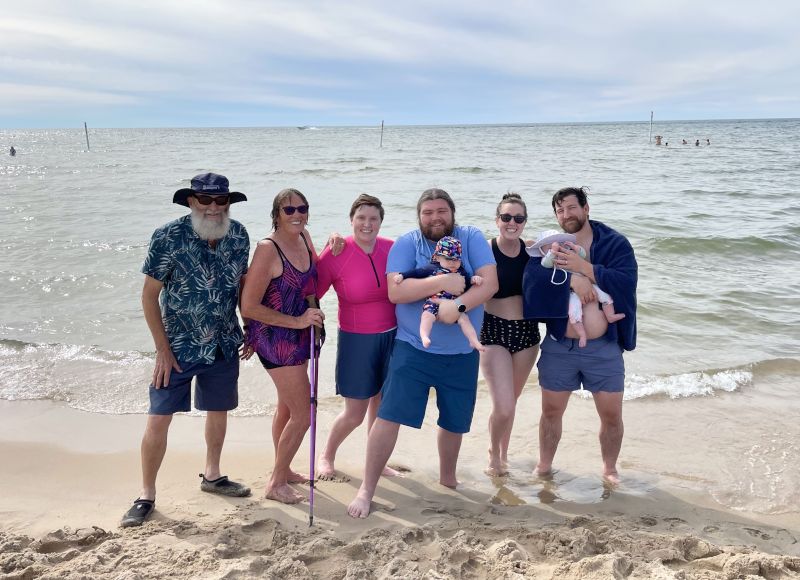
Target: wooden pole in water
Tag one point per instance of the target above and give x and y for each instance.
(86, 130)
(381, 133)
(650, 139)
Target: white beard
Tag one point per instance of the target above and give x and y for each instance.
(207, 229)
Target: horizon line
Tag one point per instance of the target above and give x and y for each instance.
(412, 125)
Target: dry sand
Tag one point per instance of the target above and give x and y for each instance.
(68, 476)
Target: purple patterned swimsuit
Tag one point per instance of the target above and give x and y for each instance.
(286, 293)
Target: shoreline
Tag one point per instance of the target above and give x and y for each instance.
(70, 475)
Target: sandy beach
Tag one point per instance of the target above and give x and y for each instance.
(69, 475)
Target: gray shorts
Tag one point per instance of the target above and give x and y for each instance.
(564, 366)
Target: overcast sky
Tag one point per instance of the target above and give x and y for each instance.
(170, 63)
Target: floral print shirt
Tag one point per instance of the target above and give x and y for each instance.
(201, 288)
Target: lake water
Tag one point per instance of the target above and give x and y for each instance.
(715, 227)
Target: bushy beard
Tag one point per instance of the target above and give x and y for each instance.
(428, 231)
(574, 225)
(207, 229)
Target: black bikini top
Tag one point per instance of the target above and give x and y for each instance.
(509, 271)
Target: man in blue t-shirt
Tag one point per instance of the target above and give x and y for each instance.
(193, 272)
(450, 364)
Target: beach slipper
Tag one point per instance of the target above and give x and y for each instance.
(224, 486)
(139, 512)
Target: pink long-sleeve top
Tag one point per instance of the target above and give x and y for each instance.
(359, 280)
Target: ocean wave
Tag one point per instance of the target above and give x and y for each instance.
(708, 382)
(473, 170)
(745, 246)
(85, 377)
(95, 380)
(92, 379)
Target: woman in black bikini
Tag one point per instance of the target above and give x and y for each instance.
(511, 342)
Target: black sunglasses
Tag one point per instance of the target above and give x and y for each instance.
(290, 209)
(208, 199)
(507, 217)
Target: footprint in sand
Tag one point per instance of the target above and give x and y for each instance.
(758, 534)
(65, 539)
(334, 477)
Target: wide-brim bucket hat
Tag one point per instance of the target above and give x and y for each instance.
(208, 184)
(548, 237)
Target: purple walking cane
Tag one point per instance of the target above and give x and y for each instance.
(313, 375)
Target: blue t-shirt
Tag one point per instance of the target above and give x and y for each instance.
(201, 288)
(411, 251)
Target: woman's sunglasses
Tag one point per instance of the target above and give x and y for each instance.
(507, 217)
(290, 209)
(207, 199)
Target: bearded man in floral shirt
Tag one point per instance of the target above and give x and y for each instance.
(193, 273)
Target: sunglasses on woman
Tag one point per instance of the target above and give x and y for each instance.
(208, 199)
(507, 217)
(290, 209)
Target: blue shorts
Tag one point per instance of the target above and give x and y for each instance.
(362, 363)
(564, 366)
(413, 372)
(216, 388)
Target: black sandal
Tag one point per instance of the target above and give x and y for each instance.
(224, 486)
(139, 512)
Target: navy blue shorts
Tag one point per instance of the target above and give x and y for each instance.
(362, 363)
(216, 388)
(413, 372)
(564, 366)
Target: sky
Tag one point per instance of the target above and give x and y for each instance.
(263, 63)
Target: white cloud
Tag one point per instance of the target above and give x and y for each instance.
(366, 56)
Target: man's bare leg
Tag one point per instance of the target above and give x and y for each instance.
(216, 427)
(554, 403)
(609, 408)
(449, 446)
(153, 449)
(380, 444)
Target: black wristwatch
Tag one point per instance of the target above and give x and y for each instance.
(460, 305)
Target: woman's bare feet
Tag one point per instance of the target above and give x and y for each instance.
(612, 478)
(360, 506)
(391, 472)
(496, 467)
(447, 482)
(284, 494)
(543, 472)
(325, 470)
(295, 477)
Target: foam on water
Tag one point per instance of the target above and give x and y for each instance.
(698, 384)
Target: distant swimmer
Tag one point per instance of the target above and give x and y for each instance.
(708, 141)
(12, 151)
(697, 143)
(685, 142)
(658, 139)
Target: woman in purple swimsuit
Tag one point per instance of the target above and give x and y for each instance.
(278, 322)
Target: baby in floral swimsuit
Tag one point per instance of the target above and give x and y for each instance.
(446, 259)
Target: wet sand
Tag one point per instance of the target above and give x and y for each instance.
(68, 477)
